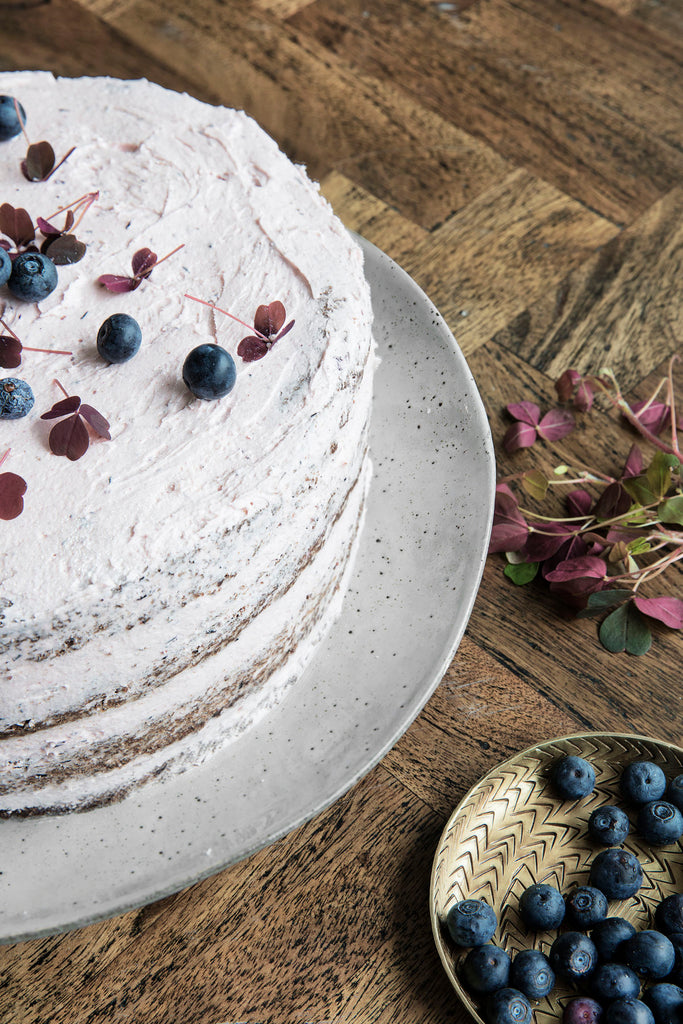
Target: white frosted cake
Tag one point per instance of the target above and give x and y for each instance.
(164, 588)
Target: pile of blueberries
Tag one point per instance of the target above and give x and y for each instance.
(620, 975)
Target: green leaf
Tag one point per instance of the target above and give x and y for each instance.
(599, 601)
(639, 546)
(659, 473)
(671, 510)
(561, 470)
(625, 629)
(640, 489)
(535, 483)
(521, 573)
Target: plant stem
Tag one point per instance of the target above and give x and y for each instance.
(237, 320)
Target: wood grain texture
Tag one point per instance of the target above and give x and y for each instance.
(502, 89)
(522, 159)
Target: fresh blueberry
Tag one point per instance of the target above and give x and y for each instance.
(608, 825)
(582, 1010)
(573, 777)
(33, 276)
(666, 1002)
(471, 922)
(532, 974)
(586, 905)
(617, 873)
(660, 823)
(676, 975)
(209, 372)
(669, 914)
(5, 266)
(650, 953)
(119, 338)
(614, 981)
(628, 1011)
(16, 398)
(573, 955)
(674, 792)
(608, 936)
(508, 1006)
(642, 781)
(486, 969)
(541, 907)
(10, 125)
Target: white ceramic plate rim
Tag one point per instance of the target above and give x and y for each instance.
(414, 584)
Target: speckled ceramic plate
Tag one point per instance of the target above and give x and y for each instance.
(416, 576)
(511, 830)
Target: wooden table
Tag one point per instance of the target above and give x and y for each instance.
(522, 159)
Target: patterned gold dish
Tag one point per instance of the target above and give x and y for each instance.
(511, 830)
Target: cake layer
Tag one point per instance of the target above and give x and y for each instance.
(133, 576)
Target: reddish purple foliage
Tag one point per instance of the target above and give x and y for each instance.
(572, 388)
(16, 225)
(70, 436)
(268, 322)
(529, 425)
(143, 263)
(10, 352)
(509, 530)
(668, 610)
(556, 424)
(12, 491)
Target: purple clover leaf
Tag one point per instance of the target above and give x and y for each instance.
(510, 529)
(529, 425)
(668, 610)
(574, 389)
(576, 578)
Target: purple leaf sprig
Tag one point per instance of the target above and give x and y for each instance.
(529, 425)
(11, 349)
(12, 490)
(70, 436)
(21, 235)
(61, 244)
(16, 227)
(268, 328)
(40, 162)
(143, 263)
(618, 534)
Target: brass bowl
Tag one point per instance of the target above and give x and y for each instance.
(511, 830)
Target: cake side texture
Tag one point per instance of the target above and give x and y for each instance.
(152, 583)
